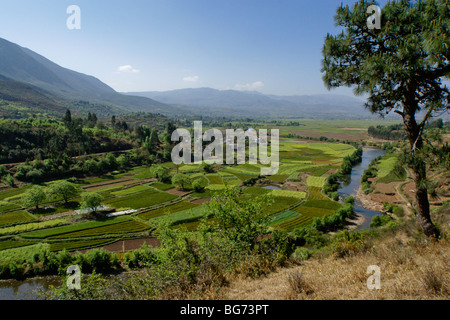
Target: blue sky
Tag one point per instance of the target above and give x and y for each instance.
(271, 46)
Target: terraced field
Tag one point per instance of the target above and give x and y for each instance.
(140, 200)
(74, 228)
(305, 164)
(15, 217)
(181, 206)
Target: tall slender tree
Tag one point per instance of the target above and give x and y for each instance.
(402, 67)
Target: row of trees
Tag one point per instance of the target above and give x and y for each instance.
(60, 190)
(36, 195)
(180, 180)
(393, 132)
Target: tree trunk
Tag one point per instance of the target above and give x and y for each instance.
(419, 168)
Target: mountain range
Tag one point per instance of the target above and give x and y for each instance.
(207, 101)
(32, 84)
(22, 69)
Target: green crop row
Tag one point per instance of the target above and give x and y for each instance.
(295, 223)
(184, 205)
(79, 245)
(32, 226)
(132, 190)
(8, 207)
(314, 212)
(324, 204)
(318, 182)
(118, 228)
(187, 215)
(214, 179)
(10, 244)
(47, 233)
(141, 200)
(280, 204)
(162, 186)
(283, 216)
(316, 194)
(15, 217)
(23, 253)
(288, 193)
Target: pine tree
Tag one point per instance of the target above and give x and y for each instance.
(67, 117)
(401, 67)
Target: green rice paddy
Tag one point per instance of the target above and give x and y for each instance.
(305, 163)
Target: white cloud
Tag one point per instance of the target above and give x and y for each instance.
(127, 69)
(191, 79)
(250, 86)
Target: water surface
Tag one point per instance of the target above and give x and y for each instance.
(351, 185)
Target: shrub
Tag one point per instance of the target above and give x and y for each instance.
(334, 196)
(142, 257)
(199, 185)
(381, 220)
(347, 243)
(312, 237)
(302, 254)
(297, 284)
(99, 260)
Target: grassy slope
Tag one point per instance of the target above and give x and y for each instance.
(410, 269)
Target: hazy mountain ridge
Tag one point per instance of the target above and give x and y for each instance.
(255, 104)
(23, 65)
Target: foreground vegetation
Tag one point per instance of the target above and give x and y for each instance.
(224, 263)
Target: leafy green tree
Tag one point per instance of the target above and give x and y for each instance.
(200, 184)
(402, 67)
(9, 180)
(240, 220)
(91, 201)
(62, 189)
(34, 197)
(180, 181)
(208, 168)
(162, 173)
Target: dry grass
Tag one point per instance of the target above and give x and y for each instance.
(408, 271)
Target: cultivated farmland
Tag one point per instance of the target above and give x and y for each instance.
(59, 227)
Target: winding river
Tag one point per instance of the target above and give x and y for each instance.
(351, 186)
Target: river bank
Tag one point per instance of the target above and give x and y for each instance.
(367, 202)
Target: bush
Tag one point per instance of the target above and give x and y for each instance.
(302, 254)
(99, 260)
(143, 257)
(9, 180)
(349, 200)
(199, 185)
(346, 243)
(381, 220)
(398, 211)
(334, 196)
(312, 237)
